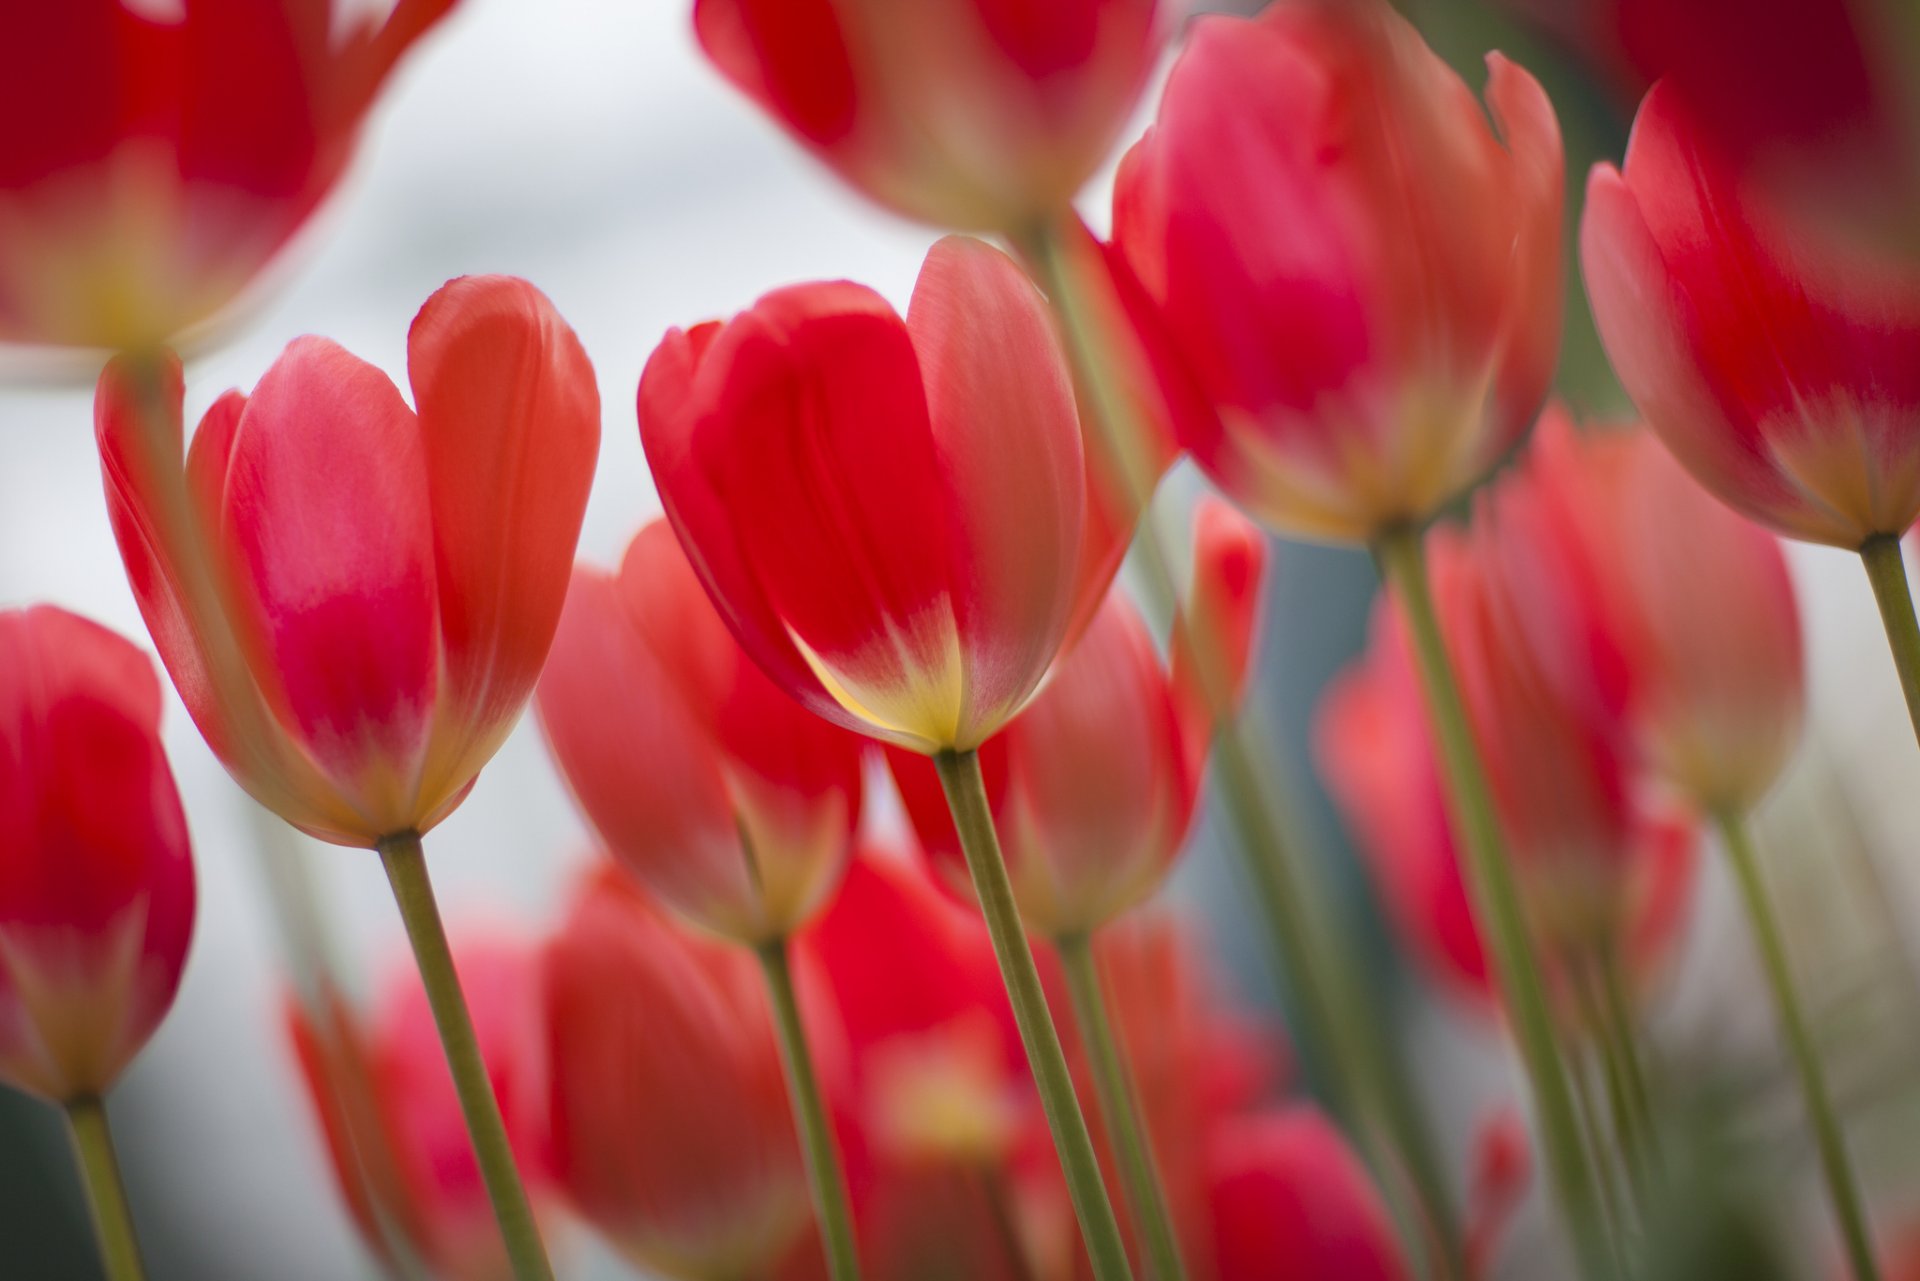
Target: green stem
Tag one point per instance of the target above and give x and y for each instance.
(810, 1116)
(1120, 1108)
(112, 1220)
(1496, 897)
(1626, 1040)
(1627, 1133)
(967, 799)
(1842, 1187)
(1603, 1167)
(1366, 1085)
(999, 1209)
(1888, 574)
(407, 872)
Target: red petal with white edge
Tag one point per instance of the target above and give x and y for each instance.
(510, 424)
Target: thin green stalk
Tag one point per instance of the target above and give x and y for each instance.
(967, 799)
(1888, 574)
(1626, 1038)
(1842, 1188)
(824, 1172)
(993, 1187)
(1588, 1111)
(1627, 1132)
(1366, 1085)
(1496, 897)
(1120, 1108)
(407, 872)
(112, 1220)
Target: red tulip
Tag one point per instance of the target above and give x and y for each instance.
(1641, 591)
(405, 1163)
(1783, 370)
(155, 165)
(1093, 787)
(730, 801)
(981, 114)
(887, 515)
(1291, 1202)
(393, 575)
(1363, 276)
(671, 1129)
(96, 878)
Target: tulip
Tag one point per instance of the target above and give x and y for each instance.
(672, 1135)
(978, 114)
(96, 880)
(171, 159)
(1362, 275)
(399, 1150)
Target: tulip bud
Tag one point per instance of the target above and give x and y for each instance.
(887, 515)
(730, 801)
(672, 1134)
(96, 878)
(981, 114)
(393, 575)
(1363, 276)
(170, 159)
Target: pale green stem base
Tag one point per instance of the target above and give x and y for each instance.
(407, 872)
(817, 1144)
(1842, 1188)
(967, 799)
(1120, 1108)
(1496, 898)
(100, 1168)
(1888, 574)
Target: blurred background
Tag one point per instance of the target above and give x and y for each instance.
(585, 145)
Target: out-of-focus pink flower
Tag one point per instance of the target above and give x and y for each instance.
(672, 1134)
(985, 115)
(156, 163)
(1362, 274)
(392, 575)
(96, 875)
(1093, 786)
(1502, 1169)
(400, 1148)
(730, 801)
(1782, 368)
(888, 515)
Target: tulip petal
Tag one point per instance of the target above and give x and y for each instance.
(1530, 336)
(789, 55)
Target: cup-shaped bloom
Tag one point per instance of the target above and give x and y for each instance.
(1640, 590)
(1290, 1198)
(392, 575)
(1782, 368)
(96, 878)
(986, 115)
(1093, 787)
(170, 158)
(735, 805)
(672, 1135)
(1362, 274)
(391, 1119)
(888, 515)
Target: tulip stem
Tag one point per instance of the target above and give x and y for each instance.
(1842, 1187)
(1496, 897)
(1120, 1108)
(1887, 571)
(824, 1172)
(1366, 1085)
(100, 1168)
(973, 819)
(406, 868)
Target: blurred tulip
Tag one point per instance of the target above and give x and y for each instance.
(1094, 786)
(1782, 370)
(403, 1160)
(672, 1134)
(1638, 590)
(1363, 276)
(168, 158)
(96, 877)
(393, 577)
(887, 515)
(986, 115)
(1291, 1202)
(730, 801)
(1502, 1169)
